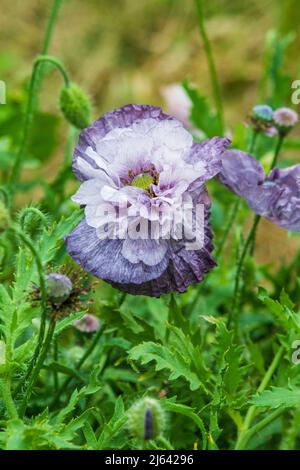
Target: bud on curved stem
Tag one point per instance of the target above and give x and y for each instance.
(17, 167)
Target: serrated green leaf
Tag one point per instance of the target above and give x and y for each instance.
(278, 397)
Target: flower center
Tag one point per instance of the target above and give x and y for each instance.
(143, 181)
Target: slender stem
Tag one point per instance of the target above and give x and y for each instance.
(253, 141)
(219, 250)
(57, 63)
(38, 366)
(273, 164)
(16, 170)
(166, 444)
(277, 151)
(4, 195)
(43, 293)
(233, 213)
(235, 306)
(252, 410)
(258, 427)
(211, 64)
(33, 89)
(236, 205)
(289, 439)
(55, 356)
(78, 366)
(5, 394)
(122, 298)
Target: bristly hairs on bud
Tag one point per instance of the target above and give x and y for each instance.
(146, 419)
(75, 105)
(5, 220)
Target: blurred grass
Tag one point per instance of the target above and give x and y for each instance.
(124, 51)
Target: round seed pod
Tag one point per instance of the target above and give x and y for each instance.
(59, 287)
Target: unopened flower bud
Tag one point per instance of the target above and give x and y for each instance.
(285, 119)
(59, 288)
(146, 419)
(75, 105)
(87, 324)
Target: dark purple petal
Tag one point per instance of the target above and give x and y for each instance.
(285, 211)
(185, 267)
(119, 118)
(104, 259)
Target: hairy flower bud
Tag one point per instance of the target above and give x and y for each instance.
(146, 419)
(75, 105)
(285, 119)
(59, 287)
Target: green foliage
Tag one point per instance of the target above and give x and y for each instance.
(201, 114)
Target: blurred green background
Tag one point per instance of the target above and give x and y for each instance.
(124, 51)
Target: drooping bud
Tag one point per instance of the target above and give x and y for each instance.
(285, 119)
(146, 419)
(75, 105)
(87, 324)
(4, 217)
(59, 288)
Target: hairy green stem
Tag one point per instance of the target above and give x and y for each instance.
(237, 203)
(50, 25)
(211, 64)
(289, 439)
(231, 220)
(78, 366)
(6, 396)
(38, 366)
(232, 216)
(55, 357)
(258, 427)
(4, 195)
(273, 164)
(33, 90)
(277, 151)
(234, 315)
(43, 293)
(246, 432)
